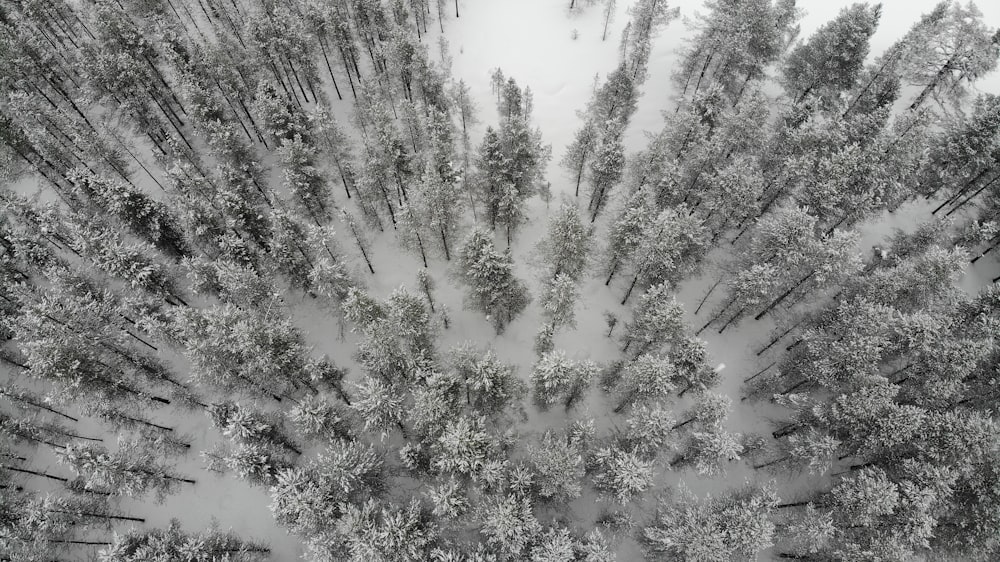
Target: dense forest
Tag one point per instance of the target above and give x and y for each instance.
(273, 271)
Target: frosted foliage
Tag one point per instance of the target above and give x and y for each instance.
(320, 250)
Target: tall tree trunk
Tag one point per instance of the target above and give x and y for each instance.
(784, 296)
(760, 372)
(329, 68)
(630, 287)
(709, 293)
(733, 318)
(35, 473)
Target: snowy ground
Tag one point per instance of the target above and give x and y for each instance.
(531, 40)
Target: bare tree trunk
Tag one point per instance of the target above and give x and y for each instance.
(760, 372)
(702, 303)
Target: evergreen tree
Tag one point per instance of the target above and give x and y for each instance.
(557, 466)
(622, 473)
(830, 61)
(648, 19)
(606, 171)
(579, 152)
(735, 42)
(493, 288)
(242, 351)
(566, 246)
(647, 377)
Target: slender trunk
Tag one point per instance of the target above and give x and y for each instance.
(630, 287)
(794, 504)
(705, 298)
(760, 372)
(37, 405)
(625, 402)
(830, 230)
(784, 296)
(794, 387)
(931, 85)
(682, 424)
(34, 473)
(99, 515)
(444, 243)
(704, 68)
(770, 463)
(787, 430)
(715, 318)
(986, 251)
(888, 59)
(733, 318)
(971, 197)
(423, 255)
(611, 274)
(778, 338)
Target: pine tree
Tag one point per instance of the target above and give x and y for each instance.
(556, 378)
(244, 425)
(173, 543)
(734, 45)
(964, 158)
(606, 171)
(965, 50)
(830, 61)
(491, 385)
(463, 448)
(493, 288)
(709, 451)
(621, 473)
(509, 525)
(145, 217)
(579, 152)
(559, 300)
(670, 248)
(131, 471)
(656, 321)
(379, 405)
(511, 162)
(440, 202)
(647, 377)
(627, 229)
(557, 467)
(648, 18)
(242, 351)
(734, 524)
